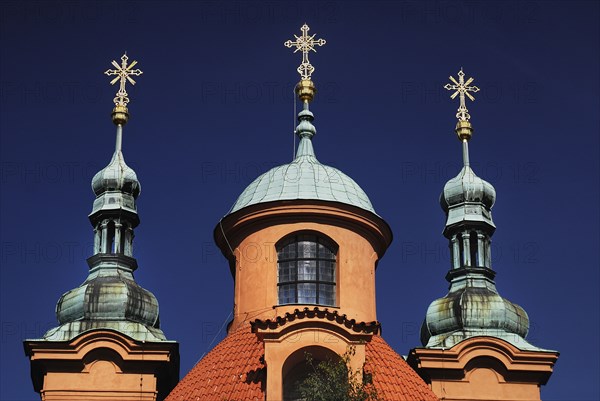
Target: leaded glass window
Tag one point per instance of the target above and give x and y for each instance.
(306, 266)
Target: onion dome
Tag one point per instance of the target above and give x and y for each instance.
(117, 176)
(467, 187)
(109, 298)
(466, 198)
(305, 177)
(106, 300)
(474, 309)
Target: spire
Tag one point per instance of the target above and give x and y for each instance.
(305, 89)
(117, 175)
(466, 198)
(110, 297)
(472, 306)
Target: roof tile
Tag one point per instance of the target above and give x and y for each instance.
(231, 371)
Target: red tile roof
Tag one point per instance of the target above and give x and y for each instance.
(393, 378)
(233, 371)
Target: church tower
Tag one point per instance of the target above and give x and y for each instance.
(474, 340)
(108, 345)
(302, 241)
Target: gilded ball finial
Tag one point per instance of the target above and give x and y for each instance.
(120, 115)
(305, 89)
(464, 130)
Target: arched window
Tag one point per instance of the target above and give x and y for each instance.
(306, 265)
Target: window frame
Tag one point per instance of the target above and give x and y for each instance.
(317, 239)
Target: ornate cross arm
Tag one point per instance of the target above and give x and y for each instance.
(123, 74)
(305, 43)
(462, 89)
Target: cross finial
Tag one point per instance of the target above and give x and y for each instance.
(461, 89)
(123, 74)
(305, 43)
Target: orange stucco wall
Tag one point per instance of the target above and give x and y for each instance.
(255, 294)
(484, 368)
(485, 384)
(103, 365)
(103, 380)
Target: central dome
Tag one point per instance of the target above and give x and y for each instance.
(304, 178)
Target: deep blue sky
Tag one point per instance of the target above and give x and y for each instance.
(214, 109)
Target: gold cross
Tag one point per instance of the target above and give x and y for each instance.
(462, 88)
(123, 73)
(305, 43)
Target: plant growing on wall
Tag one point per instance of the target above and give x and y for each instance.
(334, 380)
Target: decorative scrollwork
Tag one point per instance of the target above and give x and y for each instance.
(462, 89)
(305, 43)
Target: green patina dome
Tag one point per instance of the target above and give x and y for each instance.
(106, 300)
(467, 187)
(474, 308)
(117, 176)
(467, 198)
(304, 178)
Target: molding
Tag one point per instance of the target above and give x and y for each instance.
(242, 223)
(161, 357)
(290, 321)
(443, 364)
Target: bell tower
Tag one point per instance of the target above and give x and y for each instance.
(474, 345)
(108, 345)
